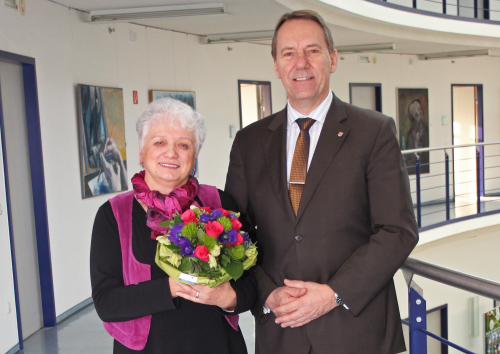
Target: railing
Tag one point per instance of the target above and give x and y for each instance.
(417, 305)
(454, 183)
(468, 9)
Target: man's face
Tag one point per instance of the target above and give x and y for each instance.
(303, 63)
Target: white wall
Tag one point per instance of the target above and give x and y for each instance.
(69, 52)
(471, 252)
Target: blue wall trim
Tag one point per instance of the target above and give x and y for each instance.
(452, 221)
(433, 14)
(39, 197)
(11, 231)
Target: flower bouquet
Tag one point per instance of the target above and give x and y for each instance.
(205, 246)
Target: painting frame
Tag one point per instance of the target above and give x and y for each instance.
(188, 97)
(413, 126)
(101, 138)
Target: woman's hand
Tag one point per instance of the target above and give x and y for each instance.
(222, 296)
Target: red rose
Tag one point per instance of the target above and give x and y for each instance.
(188, 216)
(236, 224)
(206, 210)
(202, 253)
(239, 241)
(224, 212)
(214, 228)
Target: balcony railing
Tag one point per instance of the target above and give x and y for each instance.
(454, 183)
(479, 10)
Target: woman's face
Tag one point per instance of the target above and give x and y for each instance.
(168, 156)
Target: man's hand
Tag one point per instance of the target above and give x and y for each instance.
(318, 300)
(282, 296)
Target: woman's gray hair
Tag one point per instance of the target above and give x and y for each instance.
(176, 113)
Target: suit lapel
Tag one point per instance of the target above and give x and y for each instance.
(275, 152)
(328, 145)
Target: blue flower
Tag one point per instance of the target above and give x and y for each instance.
(205, 218)
(230, 237)
(246, 240)
(215, 215)
(187, 248)
(176, 234)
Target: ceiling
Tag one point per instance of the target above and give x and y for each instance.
(250, 16)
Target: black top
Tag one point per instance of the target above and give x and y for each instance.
(177, 325)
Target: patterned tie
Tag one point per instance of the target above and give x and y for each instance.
(299, 163)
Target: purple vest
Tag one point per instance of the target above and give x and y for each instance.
(134, 333)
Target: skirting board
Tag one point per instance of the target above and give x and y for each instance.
(67, 314)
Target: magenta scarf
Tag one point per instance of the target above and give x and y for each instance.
(162, 207)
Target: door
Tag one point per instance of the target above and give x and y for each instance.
(21, 197)
(367, 96)
(467, 129)
(255, 101)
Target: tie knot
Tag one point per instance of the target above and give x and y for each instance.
(305, 123)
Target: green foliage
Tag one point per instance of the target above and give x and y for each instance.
(190, 230)
(177, 218)
(167, 223)
(236, 252)
(208, 241)
(186, 265)
(234, 269)
(173, 247)
(224, 260)
(226, 223)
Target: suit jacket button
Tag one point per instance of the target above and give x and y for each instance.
(298, 238)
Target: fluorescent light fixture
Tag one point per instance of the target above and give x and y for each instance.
(255, 36)
(142, 13)
(366, 48)
(460, 54)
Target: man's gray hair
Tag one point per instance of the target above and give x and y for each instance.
(303, 15)
(176, 113)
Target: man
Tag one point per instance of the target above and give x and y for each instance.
(329, 200)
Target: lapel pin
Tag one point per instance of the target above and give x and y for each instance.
(340, 134)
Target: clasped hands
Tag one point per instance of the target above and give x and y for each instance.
(222, 296)
(300, 302)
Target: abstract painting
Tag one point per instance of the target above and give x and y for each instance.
(413, 116)
(103, 156)
(188, 97)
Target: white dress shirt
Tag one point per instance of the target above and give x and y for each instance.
(293, 130)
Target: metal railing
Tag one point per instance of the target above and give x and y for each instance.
(452, 183)
(466, 9)
(417, 305)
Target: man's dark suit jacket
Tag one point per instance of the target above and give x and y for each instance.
(355, 222)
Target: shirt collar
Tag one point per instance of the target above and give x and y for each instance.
(319, 113)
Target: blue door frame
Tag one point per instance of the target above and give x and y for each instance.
(38, 190)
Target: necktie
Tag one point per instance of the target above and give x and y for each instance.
(299, 163)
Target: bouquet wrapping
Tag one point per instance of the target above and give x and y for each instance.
(205, 246)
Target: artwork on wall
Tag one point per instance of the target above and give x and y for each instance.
(413, 117)
(103, 157)
(188, 97)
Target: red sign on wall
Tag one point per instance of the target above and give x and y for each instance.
(136, 97)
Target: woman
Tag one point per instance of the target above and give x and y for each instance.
(159, 314)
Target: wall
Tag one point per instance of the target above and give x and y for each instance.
(470, 252)
(69, 52)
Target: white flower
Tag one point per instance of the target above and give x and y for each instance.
(250, 252)
(175, 259)
(497, 314)
(165, 252)
(216, 251)
(163, 240)
(212, 262)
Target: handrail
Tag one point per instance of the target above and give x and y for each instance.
(477, 285)
(413, 151)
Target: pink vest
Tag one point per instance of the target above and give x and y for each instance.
(134, 333)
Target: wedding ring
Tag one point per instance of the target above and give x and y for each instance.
(197, 294)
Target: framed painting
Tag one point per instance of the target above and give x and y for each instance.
(103, 158)
(413, 122)
(188, 97)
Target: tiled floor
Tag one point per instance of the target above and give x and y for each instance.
(84, 333)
